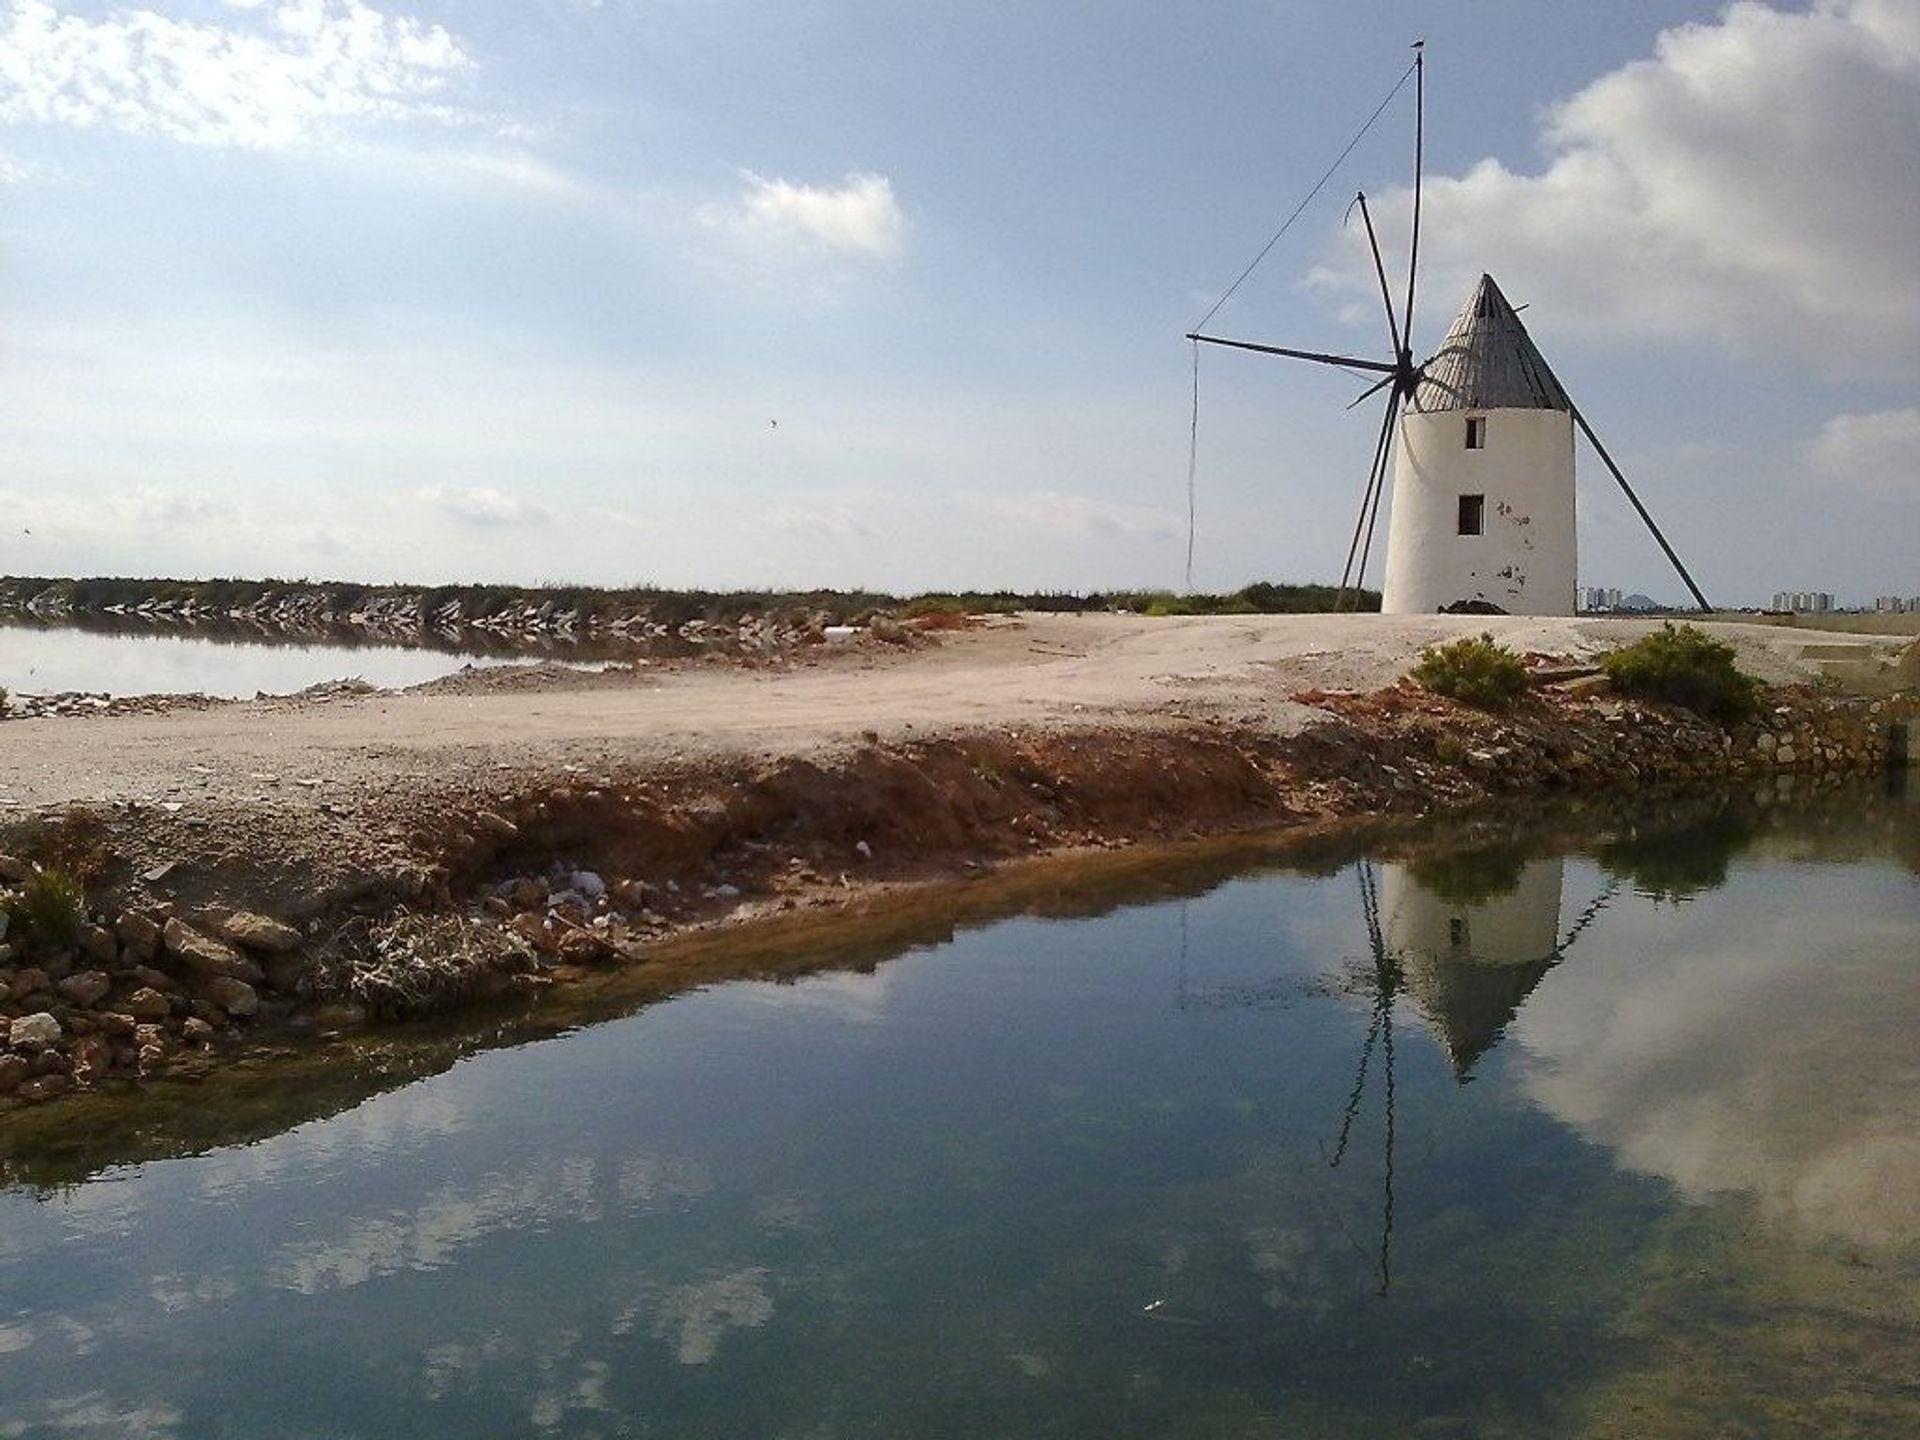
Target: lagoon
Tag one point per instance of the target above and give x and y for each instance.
(225, 663)
(1618, 1136)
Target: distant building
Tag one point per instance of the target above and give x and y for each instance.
(1803, 602)
(1894, 605)
(1595, 597)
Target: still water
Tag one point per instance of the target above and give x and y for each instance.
(47, 660)
(1615, 1137)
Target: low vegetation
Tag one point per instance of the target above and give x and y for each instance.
(49, 909)
(1681, 665)
(1475, 670)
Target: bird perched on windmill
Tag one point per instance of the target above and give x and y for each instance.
(1480, 438)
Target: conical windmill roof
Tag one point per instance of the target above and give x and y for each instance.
(1488, 362)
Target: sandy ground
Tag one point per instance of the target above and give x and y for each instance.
(1038, 670)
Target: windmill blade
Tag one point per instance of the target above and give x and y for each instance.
(1641, 510)
(1373, 390)
(1419, 160)
(1347, 362)
(1369, 501)
(1373, 240)
(1373, 514)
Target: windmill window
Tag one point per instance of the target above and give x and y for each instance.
(1476, 432)
(1473, 514)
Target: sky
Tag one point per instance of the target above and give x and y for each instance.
(738, 293)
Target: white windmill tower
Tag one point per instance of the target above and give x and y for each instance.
(1483, 473)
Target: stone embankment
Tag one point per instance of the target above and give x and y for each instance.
(561, 878)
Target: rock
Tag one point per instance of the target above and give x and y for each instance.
(97, 942)
(496, 825)
(232, 995)
(527, 894)
(204, 956)
(260, 932)
(582, 948)
(86, 989)
(146, 1004)
(34, 1032)
(15, 869)
(534, 929)
(153, 979)
(92, 1059)
(13, 1070)
(889, 630)
(196, 1031)
(138, 934)
(285, 973)
(588, 884)
(30, 981)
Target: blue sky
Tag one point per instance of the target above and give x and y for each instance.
(518, 289)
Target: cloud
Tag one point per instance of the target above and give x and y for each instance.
(860, 216)
(1750, 183)
(483, 505)
(161, 505)
(274, 76)
(14, 170)
(1875, 452)
(1056, 513)
(1648, 1047)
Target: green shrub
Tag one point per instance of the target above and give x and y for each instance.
(50, 908)
(1475, 670)
(1680, 665)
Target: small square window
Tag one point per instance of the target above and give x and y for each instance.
(1476, 432)
(1473, 514)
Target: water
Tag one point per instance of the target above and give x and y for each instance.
(1456, 1141)
(36, 660)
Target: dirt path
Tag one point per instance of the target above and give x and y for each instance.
(1039, 670)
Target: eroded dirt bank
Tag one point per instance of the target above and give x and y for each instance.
(256, 905)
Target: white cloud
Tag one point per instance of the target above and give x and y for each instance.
(13, 170)
(1055, 513)
(860, 215)
(1878, 452)
(483, 505)
(1752, 183)
(275, 76)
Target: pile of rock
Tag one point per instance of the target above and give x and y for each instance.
(72, 703)
(575, 916)
(122, 998)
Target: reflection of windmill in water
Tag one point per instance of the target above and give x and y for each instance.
(1468, 938)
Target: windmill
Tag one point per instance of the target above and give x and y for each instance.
(1480, 438)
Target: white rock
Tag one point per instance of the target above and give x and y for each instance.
(34, 1032)
(588, 884)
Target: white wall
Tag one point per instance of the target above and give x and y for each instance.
(1525, 560)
